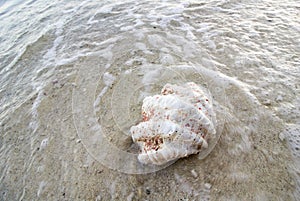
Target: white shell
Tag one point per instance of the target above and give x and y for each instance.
(177, 123)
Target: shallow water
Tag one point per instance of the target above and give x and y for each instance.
(73, 76)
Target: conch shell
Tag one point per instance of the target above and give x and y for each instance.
(177, 123)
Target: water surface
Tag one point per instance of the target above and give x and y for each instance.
(73, 75)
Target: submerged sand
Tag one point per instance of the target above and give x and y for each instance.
(249, 162)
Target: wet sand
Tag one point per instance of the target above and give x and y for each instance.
(249, 162)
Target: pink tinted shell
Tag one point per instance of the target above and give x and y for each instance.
(177, 123)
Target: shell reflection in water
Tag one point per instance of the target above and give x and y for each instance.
(177, 123)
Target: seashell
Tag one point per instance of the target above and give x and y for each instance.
(177, 123)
